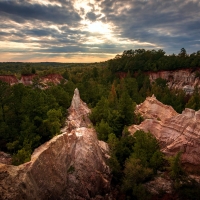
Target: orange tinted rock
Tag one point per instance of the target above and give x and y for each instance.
(52, 78)
(175, 132)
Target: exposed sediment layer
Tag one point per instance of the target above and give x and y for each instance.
(175, 132)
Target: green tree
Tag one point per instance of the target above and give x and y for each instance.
(5, 93)
(53, 121)
(126, 108)
(23, 155)
(135, 174)
(66, 74)
(175, 168)
(146, 149)
(183, 52)
(101, 111)
(113, 162)
(194, 101)
(103, 129)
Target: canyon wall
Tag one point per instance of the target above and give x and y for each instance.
(184, 79)
(72, 165)
(175, 132)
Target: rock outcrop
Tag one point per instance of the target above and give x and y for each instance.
(184, 79)
(175, 132)
(69, 166)
(5, 158)
(160, 185)
(152, 108)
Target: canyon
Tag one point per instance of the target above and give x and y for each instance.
(72, 165)
(175, 132)
(185, 79)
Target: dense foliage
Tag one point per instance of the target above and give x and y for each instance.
(153, 60)
(30, 117)
(134, 160)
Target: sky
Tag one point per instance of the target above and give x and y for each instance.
(95, 30)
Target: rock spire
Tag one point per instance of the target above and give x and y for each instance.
(70, 166)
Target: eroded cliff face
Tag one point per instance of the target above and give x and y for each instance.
(185, 79)
(10, 79)
(30, 78)
(175, 132)
(27, 79)
(72, 165)
(52, 78)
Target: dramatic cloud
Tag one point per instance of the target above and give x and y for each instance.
(167, 24)
(95, 30)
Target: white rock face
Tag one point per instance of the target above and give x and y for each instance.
(184, 79)
(70, 166)
(175, 132)
(78, 113)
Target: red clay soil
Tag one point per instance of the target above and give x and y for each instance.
(52, 78)
(27, 79)
(10, 79)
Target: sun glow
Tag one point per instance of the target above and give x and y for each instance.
(98, 27)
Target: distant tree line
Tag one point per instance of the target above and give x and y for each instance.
(153, 60)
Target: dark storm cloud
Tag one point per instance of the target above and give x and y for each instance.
(40, 32)
(167, 23)
(92, 16)
(20, 11)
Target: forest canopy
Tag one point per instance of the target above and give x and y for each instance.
(153, 60)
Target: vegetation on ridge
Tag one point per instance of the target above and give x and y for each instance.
(153, 60)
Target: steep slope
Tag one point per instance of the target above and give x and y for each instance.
(175, 132)
(69, 166)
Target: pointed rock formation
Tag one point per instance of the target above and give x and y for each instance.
(152, 108)
(69, 166)
(175, 132)
(78, 113)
